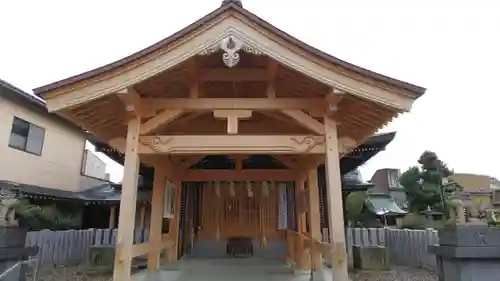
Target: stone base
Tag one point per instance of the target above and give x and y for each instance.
(318, 275)
(156, 276)
(468, 253)
(301, 272)
(13, 250)
(370, 257)
(102, 257)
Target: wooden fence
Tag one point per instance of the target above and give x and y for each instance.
(72, 246)
(406, 247)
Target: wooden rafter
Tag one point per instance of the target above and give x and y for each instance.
(163, 118)
(233, 75)
(305, 120)
(194, 75)
(272, 70)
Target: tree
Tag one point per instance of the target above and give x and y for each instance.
(35, 217)
(424, 185)
(355, 203)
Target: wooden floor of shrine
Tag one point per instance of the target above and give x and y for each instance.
(226, 269)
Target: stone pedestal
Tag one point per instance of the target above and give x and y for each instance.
(370, 257)
(468, 253)
(13, 250)
(12, 241)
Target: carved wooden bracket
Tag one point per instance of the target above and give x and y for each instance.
(232, 116)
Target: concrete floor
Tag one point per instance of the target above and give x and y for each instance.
(250, 269)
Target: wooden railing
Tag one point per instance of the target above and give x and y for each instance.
(308, 253)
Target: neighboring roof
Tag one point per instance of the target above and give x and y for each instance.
(13, 90)
(384, 204)
(10, 91)
(365, 151)
(352, 181)
(473, 182)
(105, 193)
(236, 6)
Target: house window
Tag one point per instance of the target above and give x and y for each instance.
(394, 179)
(26, 136)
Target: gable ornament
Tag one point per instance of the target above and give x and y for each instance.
(230, 45)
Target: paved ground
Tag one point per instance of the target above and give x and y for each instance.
(240, 270)
(269, 270)
(224, 270)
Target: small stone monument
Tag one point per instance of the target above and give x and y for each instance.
(456, 200)
(12, 237)
(8, 202)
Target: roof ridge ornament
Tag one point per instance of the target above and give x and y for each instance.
(236, 2)
(231, 45)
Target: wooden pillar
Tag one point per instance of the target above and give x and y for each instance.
(335, 209)
(174, 224)
(314, 217)
(156, 220)
(112, 215)
(128, 203)
(301, 263)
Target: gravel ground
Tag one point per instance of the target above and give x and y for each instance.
(72, 273)
(396, 274)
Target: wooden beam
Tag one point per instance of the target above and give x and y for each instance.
(186, 164)
(346, 144)
(233, 75)
(163, 118)
(237, 103)
(335, 97)
(227, 144)
(238, 175)
(134, 104)
(334, 197)
(305, 120)
(144, 248)
(288, 161)
(232, 116)
(128, 201)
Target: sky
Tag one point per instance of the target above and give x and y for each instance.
(452, 48)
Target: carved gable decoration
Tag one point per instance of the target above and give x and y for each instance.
(231, 45)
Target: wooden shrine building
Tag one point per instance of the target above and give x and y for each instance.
(232, 85)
